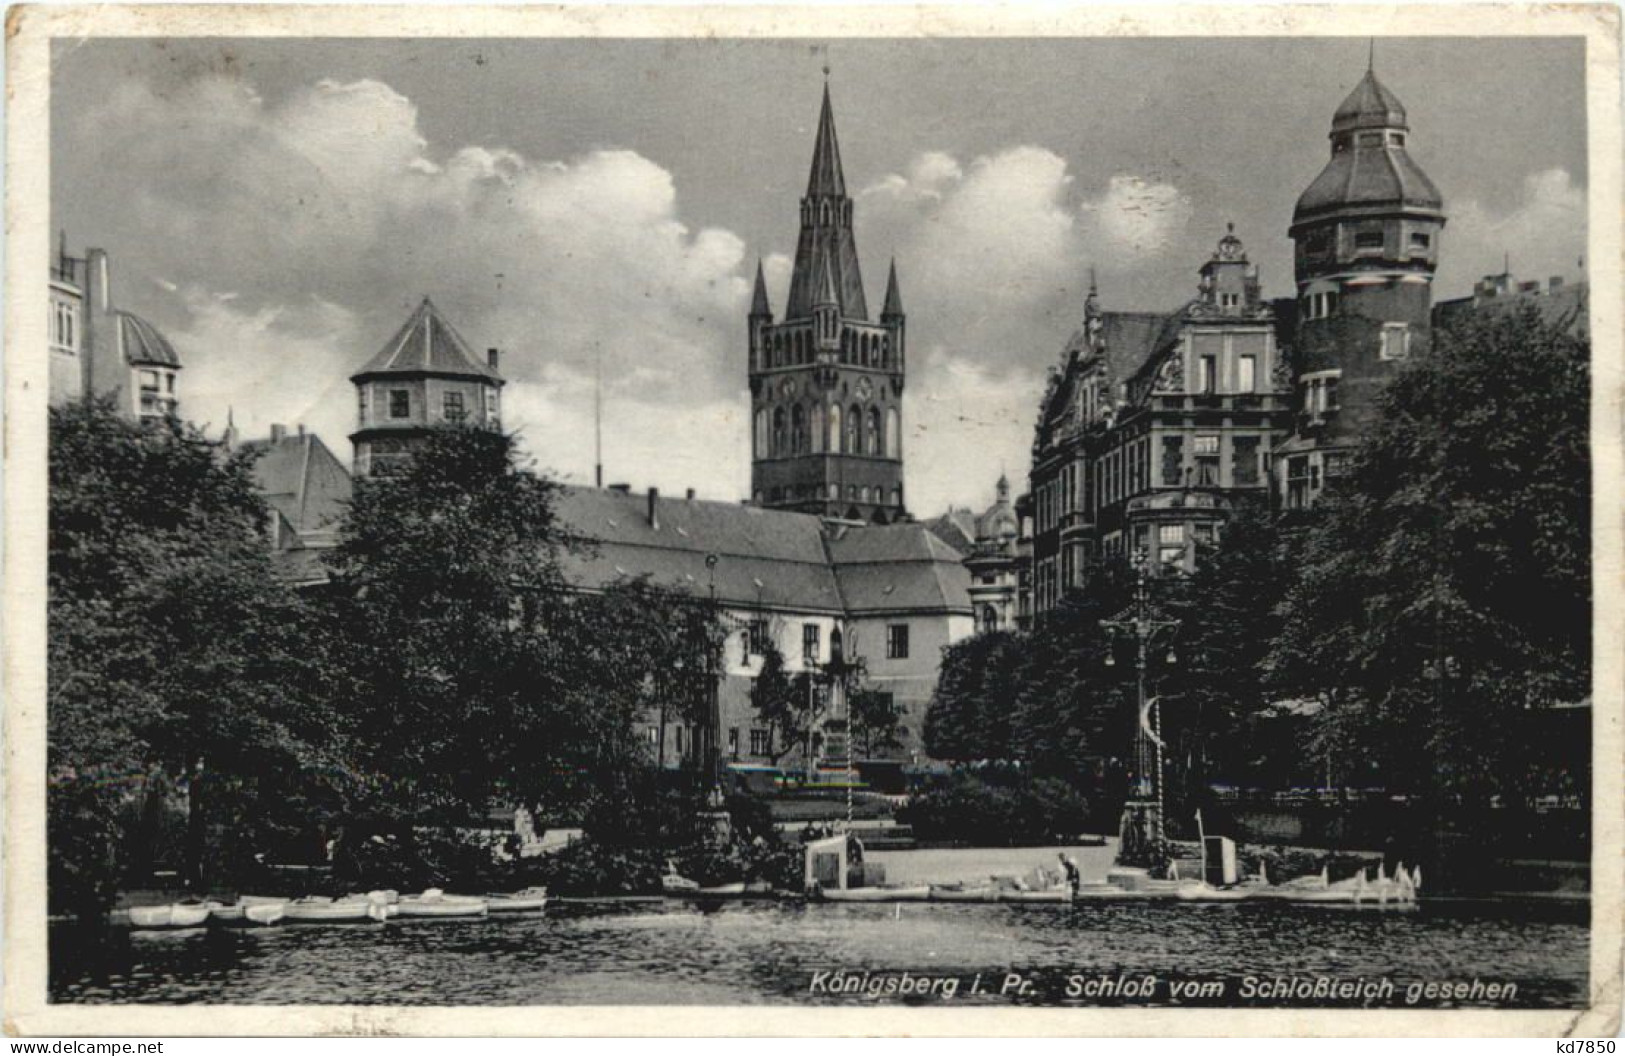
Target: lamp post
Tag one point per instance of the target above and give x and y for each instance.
(713, 708)
(1142, 837)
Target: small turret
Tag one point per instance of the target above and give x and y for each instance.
(894, 298)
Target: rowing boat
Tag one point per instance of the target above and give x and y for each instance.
(529, 900)
(170, 915)
(356, 910)
(876, 894)
(438, 904)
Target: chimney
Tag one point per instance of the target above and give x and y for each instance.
(654, 508)
(624, 489)
(301, 428)
(278, 431)
(97, 280)
(690, 495)
(493, 357)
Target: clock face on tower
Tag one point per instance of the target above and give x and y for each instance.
(865, 388)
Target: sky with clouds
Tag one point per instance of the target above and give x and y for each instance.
(278, 208)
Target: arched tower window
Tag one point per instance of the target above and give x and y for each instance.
(759, 437)
(885, 352)
(834, 443)
(854, 427)
(778, 431)
(798, 430)
(818, 428)
(897, 497)
(894, 433)
(871, 442)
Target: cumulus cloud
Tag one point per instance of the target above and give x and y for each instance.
(1135, 215)
(1543, 233)
(334, 215)
(964, 424)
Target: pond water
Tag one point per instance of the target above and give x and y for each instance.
(746, 953)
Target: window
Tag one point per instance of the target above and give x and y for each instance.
(1246, 373)
(760, 742)
(1420, 240)
(1229, 300)
(1320, 305)
(493, 406)
(1367, 240)
(1170, 535)
(654, 735)
(810, 642)
(990, 618)
(1244, 465)
(1173, 460)
(897, 641)
(1397, 139)
(149, 380)
(1207, 461)
(400, 403)
(361, 393)
(1370, 139)
(682, 740)
(758, 637)
(1320, 393)
(1207, 379)
(733, 741)
(1204, 534)
(1396, 340)
(1297, 482)
(453, 407)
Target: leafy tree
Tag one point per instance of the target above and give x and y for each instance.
(176, 657)
(969, 714)
(782, 702)
(1445, 594)
(875, 720)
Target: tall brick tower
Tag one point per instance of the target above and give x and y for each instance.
(1366, 244)
(826, 383)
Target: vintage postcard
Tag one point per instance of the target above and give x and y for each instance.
(914, 520)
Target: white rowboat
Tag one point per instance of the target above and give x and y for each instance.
(172, 915)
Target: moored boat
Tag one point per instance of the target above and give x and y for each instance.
(265, 913)
(436, 903)
(1052, 894)
(531, 899)
(170, 915)
(356, 910)
(958, 893)
(876, 894)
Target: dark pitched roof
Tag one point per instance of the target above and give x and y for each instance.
(773, 558)
(957, 528)
(144, 343)
(427, 344)
(898, 567)
(300, 478)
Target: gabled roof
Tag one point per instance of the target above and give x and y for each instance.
(301, 479)
(772, 558)
(898, 567)
(144, 343)
(1130, 340)
(427, 344)
(957, 528)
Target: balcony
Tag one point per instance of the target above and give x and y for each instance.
(1250, 401)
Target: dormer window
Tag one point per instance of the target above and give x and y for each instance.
(1229, 300)
(1420, 240)
(1397, 139)
(1370, 139)
(1368, 240)
(454, 408)
(400, 403)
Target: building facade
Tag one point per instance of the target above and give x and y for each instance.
(1153, 426)
(100, 350)
(994, 559)
(1365, 238)
(423, 378)
(826, 382)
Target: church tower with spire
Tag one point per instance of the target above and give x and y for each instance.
(1366, 243)
(827, 383)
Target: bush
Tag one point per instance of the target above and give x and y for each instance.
(997, 810)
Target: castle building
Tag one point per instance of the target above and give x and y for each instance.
(424, 377)
(1365, 240)
(1154, 425)
(100, 350)
(826, 382)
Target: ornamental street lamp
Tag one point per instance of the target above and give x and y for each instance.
(1142, 838)
(713, 708)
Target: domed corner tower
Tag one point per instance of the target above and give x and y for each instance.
(826, 383)
(1366, 244)
(425, 377)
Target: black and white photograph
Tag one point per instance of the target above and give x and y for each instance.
(875, 520)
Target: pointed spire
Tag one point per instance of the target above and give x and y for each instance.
(1371, 55)
(759, 305)
(826, 177)
(894, 298)
(825, 286)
